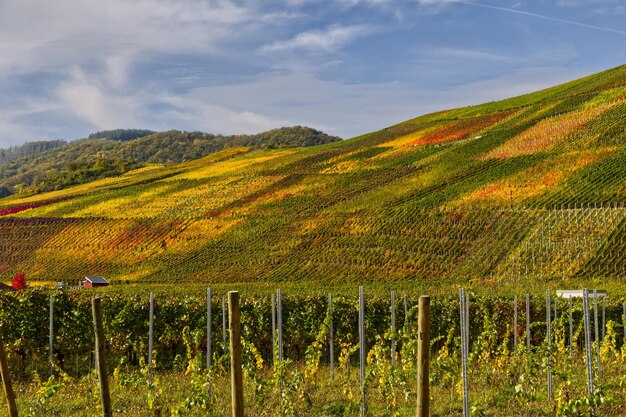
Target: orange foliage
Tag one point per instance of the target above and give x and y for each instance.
(461, 129)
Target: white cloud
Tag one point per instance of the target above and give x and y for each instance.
(328, 40)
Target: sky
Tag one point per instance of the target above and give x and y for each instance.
(72, 67)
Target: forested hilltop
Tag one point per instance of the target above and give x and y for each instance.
(53, 165)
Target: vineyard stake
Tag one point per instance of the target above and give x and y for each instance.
(514, 322)
(405, 300)
(588, 356)
(464, 348)
(209, 317)
(596, 338)
(101, 363)
(51, 335)
(624, 320)
(423, 358)
(279, 311)
(224, 341)
(362, 350)
(393, 328)
(234, 316)
(6, 380)
(151, 335)
(528, 322)
(279, 324)
(603, 317)
(330, 337)
(571, 331)
(549, 342)
(274, 354)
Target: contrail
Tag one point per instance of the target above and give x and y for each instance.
(540, 16)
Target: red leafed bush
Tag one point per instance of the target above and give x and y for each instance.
(19, 282)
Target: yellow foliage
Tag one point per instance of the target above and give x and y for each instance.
(546, 134)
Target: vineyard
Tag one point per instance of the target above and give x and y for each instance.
(525, 355)
(510, 194)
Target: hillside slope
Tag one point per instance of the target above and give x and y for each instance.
(520, 191)
(111, 153)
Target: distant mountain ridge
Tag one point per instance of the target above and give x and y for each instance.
(53, 165)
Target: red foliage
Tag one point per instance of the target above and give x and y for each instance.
(19, 282)
(17, 209)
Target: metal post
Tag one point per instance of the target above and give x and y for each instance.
(101, 364)
(209, 319)
(514, 322)
(571, 330)
(423, 358)
(279, 299)
(274, 352)
(596, 331)
(51, 336)
(464, 349)
(588, 356)
(624, 321)
(362, 350)
(236, 370)
(224, 339)
(5, 376)
(603, 317)
(549, 341)
(330, 337)
(393, 328)
(405, 301)
(528, 322)
(151, 335)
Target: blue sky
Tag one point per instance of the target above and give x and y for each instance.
(71, 67)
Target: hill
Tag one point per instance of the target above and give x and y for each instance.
(525, 191)
(46, 166)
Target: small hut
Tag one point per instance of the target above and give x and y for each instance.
(92, 282)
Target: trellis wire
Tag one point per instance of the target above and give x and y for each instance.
(549, 341)
(515, 322)
(151, 334)
(393, 328)
(464, 313)
(596, 331)
(588, 357)
(362, 350)
(209, 317)
(330, 337)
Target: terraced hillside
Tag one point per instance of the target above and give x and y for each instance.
(524, 190)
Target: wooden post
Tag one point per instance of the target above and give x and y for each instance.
(393, 328)
(6, 381)
(235, 353)
(423, 358)
(100, 357)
